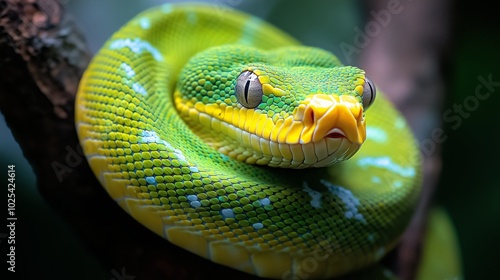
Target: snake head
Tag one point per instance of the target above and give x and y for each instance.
(293, 107)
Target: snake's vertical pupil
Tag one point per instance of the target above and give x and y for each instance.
(248, 90)
(247, 85)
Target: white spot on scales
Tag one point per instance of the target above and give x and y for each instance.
(193, 169)
(385, 162)
(227, 213)
(128, 70)
(152, 137)
(376, 134)
(351, 203)
(193, 201)
(137, 46)
(145, 23)
(139, 89)
(151, 180)
(130, 73)
(397, 184)
(376, 179)
(265, 201)
(258, 226)
(315, 195)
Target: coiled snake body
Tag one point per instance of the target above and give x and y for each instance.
(223, 135)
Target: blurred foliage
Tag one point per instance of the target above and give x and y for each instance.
(468, 187)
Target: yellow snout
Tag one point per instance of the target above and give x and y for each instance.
(331, 116)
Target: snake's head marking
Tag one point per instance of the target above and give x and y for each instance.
(290, 107)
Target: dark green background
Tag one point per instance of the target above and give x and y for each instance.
(469, 185)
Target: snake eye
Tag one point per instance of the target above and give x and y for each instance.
(369, 93)
(248, 90)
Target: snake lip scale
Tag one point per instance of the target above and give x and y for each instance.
(230, 139)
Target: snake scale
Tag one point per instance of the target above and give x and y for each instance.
(230, 139)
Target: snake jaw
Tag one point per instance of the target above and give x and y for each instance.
(323, 130)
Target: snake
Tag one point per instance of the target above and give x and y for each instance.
(232, 140)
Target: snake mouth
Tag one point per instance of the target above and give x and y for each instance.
(335, 134)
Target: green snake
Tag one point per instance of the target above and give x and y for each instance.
(230, 139)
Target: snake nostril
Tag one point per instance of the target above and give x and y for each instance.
(311, 116)
(308, 117)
